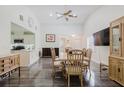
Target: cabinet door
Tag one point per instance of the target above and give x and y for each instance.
(1, 66)
(122, 38)
(113, 69)
(110, 68)
(16, 60)
(7, 62)
(115, 39)
(120, 71)
(123, 73)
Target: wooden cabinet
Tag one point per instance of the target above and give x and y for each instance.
(112, 69)
(116, 58)
(116, 69)
(9, 63)
(116, 37)
(1, 66)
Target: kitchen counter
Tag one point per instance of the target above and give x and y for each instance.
(27, 57)
(9, 54)
(23, 50)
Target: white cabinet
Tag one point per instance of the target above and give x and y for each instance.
(27, 58)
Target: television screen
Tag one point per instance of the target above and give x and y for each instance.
(101, 38)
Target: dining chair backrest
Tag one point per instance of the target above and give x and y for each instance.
(67, 49)
(53, 54)
(89, 53)
(55, 66)
(75, 55)
(84, 51)
(75, 59)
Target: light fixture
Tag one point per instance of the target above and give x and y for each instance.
(67, 14)
(73, 35)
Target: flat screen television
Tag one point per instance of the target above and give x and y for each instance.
(101, 38)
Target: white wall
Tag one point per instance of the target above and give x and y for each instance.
(98, 21)
(4, 31)
(11, 14)
(28, 38)
(60, 31)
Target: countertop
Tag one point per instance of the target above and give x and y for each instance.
(9, 54)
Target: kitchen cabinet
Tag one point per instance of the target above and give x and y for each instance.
(116, 58)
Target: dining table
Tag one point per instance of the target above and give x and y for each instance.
(62, 57)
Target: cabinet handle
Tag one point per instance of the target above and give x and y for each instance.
(118, 69)
(120, 39)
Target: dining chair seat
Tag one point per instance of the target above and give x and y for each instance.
(85, 63)
(57, 59)
(86, 59)
(57, 63)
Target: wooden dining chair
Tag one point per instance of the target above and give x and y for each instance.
(87, 59)
(68, 49)
(74, 65)
(84, 51)
(56, 64)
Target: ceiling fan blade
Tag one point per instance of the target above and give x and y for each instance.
(68, 12)
(59, 14)
(60, 17)
(72, 16)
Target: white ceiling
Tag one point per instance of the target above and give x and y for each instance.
(43, 12)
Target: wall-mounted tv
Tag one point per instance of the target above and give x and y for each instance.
(101, 38)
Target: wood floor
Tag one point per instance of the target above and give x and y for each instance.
(39, 75)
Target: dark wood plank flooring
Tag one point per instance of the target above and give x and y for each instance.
(39, 75)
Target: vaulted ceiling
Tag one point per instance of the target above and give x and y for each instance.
(46, 14)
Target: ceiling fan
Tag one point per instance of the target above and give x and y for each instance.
(66, 15)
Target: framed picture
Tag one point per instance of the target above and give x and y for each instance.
(50, 37)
